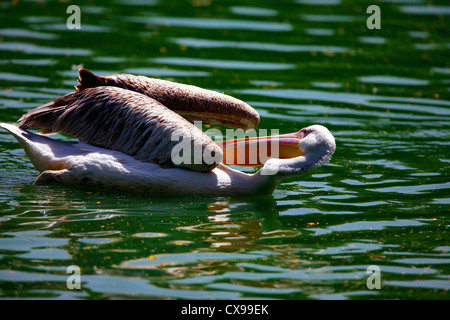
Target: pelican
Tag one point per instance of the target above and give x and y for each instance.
(126, 124)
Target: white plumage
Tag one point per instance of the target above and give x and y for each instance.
(80, 163)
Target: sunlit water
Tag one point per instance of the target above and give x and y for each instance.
(383, 199)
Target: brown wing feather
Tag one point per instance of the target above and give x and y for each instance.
(88, 80)
(122, 120)
(193, 103)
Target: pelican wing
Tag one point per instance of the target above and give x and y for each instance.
(126, 121)
(193, 103)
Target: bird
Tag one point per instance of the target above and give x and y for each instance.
(128, 127)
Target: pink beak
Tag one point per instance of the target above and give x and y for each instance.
(254, 152)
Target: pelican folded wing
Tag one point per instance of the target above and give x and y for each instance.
(130, 122)
(192, 102)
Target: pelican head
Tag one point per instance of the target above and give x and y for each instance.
(315, 139)
(126, 127)
(316, 145)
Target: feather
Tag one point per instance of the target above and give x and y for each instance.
(139, 116)
(126, 121)
(193, 103)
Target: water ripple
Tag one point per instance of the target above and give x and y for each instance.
(161, 72)
(415, 189)
(253, 11)
(422, 284)
(7, 76)
(21, 33)
(417, 104)
(278, 47)
(223, 64)
(36, 49)
(426, 10)
(390, 80)
(366, 225)
(205, 23)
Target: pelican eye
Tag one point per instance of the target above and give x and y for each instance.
(305, 131)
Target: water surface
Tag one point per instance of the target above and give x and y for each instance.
(383, 199)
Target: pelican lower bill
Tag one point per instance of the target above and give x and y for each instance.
(255, 151)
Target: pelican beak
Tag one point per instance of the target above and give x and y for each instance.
(255, 151)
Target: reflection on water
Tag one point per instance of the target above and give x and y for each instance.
(383, 199)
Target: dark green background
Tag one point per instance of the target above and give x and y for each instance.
(383, 199)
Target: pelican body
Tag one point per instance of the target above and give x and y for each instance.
(125, 125)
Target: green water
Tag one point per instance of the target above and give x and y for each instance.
(383, 199)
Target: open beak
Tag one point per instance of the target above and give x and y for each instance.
(255, 151)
